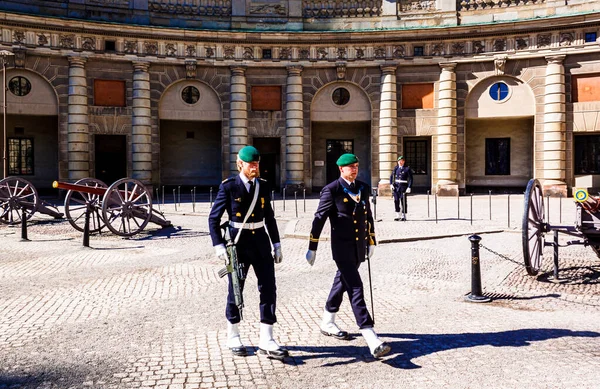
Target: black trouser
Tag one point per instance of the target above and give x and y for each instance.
(400, 199)
(256, 253)
(347, 279)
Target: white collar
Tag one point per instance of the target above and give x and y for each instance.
(245, 179)
(348, 182)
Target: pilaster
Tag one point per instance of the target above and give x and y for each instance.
(238, 115)
(388, 127)
(294, 128)
(446, 155)
(141, 124)
(78, 137)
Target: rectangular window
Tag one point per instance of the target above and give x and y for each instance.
(266, 98)
(417, 96)
(20, 156)
(587, 154)
(415, 154)
(590, 37)
(109, 93)
(110, 46)
(418, 51)
(585, 88)
(497, 156)
(266, 53)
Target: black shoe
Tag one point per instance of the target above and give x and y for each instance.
(278, 354)
(396, 219)
(239, 351)
(342, 335)
(381, 350)
(403, 219)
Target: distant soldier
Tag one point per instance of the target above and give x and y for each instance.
(345, 202)
(253, 248)
(401, 182)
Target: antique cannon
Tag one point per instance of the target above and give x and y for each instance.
(17, 195)
(535, 226)
(125, 207)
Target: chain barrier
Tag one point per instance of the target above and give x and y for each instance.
(520, 263)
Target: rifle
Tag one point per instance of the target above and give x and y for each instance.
(234, 267)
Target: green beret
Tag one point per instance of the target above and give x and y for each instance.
(347, 159)
(400, 157)
(249, 154)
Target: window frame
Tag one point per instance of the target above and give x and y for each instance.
(586, 144)
(18, 170)
(415, 151)
(505, 170)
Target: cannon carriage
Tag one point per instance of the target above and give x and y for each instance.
(20, 199)
(535, 226)
(125, 207)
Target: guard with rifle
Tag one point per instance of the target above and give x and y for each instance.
(401, 181)
(250, 236)
(345, 202)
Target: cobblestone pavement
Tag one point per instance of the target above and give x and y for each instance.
(148, 312)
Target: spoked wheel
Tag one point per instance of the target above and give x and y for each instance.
(76, 204)
(16, 194)
(534, 227)
(126, 207)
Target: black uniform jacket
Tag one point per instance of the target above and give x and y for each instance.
(234, 199)
(352, 228)
(403, 173)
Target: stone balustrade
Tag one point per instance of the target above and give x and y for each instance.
(191, 7)
(323, 9)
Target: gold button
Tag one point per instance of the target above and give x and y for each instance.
(253, 214)
(253, 232)
(355, 222)
(356, 238)
(357, 230)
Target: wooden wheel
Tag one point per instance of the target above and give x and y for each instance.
(126, 207)
(76, 204)
(534, 227)
(15, 194)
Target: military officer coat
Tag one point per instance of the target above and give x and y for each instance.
(352, 228)
(403, 173)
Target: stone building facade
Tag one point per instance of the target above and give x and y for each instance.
(476, 94)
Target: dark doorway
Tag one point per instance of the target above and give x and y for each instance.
(111, 158)
(417, 154)
(335, 148)
(269, 149)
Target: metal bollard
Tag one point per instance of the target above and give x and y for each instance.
(435, 206)
(192, 193)
(374, 201)
(24, 226)
(471, 208)
(175, 198)
(283, 198)
(458, 206)
(428, 203)
(211, 197)
(179, 196)
(304, 198)
(296, 202)
(86, 227)
(476, 295)
(163, 195)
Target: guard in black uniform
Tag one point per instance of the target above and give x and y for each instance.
(345, 202)
(401, 182)
(253, 247)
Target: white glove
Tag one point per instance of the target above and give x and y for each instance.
(407, 190)
(278, 257)
(221, 253)
(371, 251)
(311, 255)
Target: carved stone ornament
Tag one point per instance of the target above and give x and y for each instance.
(304, 54)
(544, 40)
(360, 53)
(190, 68)
(151, 48)
(500, 45)
(229, 52)
(88, 43)
(210, 52)
(248, 53)
(499, 63)
(522, 43)
(340, 71)
(171, 49)
(438, 49)
(130, 47)
(342, 53)
(458, 48)
(285, 53)
(66, 41)
(19, 57)
(190, 51)
(268, 9)
(566, 38)
(380, 52)
(399, 51)
(322, 53)
(42, 40)
(19, 37)
(478, 47)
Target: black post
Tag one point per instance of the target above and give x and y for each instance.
(304, 198)
(193, 202)
(476, 295)
(296, 202)
(458, 206)
(284, 199)
(374, 200)
(555, 247)
(435, 203)
(24, 226)
(163, 195)
(86, 227)
(471, 208)
(428, 203)
(175, 198)
(179, 195)
(211, 197)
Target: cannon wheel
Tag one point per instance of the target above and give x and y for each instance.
(534, 227)
(16, 192)
(76, 205)
(126, 207)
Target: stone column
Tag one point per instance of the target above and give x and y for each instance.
(446, 155)
(294, 128)
(78, 136)
(388, 128)
(238, 115)
(141, 124)
(554, 140)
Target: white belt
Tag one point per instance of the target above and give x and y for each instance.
(247, 226)
(401, 182)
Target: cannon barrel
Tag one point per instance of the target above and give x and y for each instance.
(79, 188)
